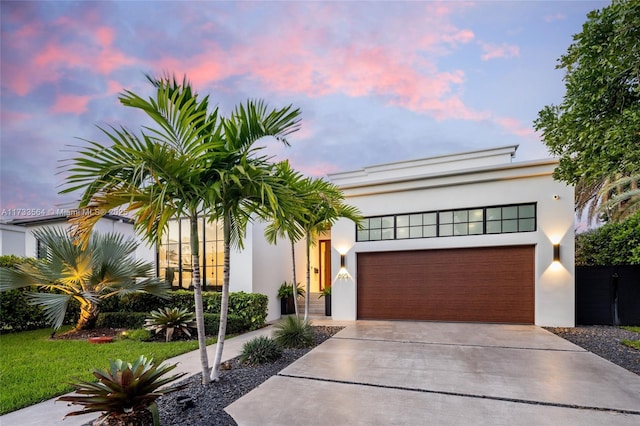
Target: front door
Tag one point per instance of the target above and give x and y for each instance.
(325, 264)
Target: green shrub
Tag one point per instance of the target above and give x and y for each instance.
(260, 350)
(610, 245)
(293, 332)
(139, 335)
(121, 319)
(235, 324)
(167, 320)
(251, 307)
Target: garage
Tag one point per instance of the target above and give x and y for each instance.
(485, 284)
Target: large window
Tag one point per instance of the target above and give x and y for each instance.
(449, 223)
(175, 260)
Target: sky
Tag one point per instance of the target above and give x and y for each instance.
(376, 82)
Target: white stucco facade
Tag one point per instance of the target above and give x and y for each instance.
(468, 180)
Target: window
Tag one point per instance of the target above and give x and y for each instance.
(41, 250)
(174, 254)
(448, 223)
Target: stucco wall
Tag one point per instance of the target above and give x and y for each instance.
(509, 184)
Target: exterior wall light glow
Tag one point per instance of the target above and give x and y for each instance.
(556, 252)
(343, 273)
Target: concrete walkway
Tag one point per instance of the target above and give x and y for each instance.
(51, 413)
(415, 373)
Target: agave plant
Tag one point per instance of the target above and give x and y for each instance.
(168, 319)
(126, 393)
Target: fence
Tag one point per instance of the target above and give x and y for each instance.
(608, 295)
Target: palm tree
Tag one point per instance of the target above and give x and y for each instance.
(324, 205)
(246, 185)
(103, 268)
(157, 176)
(611, 199)
(289, 227)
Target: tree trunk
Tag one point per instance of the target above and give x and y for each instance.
(88, 316)
(224, 304)
(295, 282)
(197, 296)
(308, 288)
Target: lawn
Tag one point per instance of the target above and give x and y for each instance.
(34, 368)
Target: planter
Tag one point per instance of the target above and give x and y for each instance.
(327, 305)
(286, 306)
(101, 339)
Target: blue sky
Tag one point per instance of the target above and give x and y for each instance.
(376, 81)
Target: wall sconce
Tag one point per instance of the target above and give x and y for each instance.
(556, 252)
(343, 273)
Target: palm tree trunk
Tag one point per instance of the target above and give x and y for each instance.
(197, 296)
(308, 288)
(295, 282)
(88, 316)
(224, 304)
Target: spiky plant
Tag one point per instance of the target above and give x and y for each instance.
(168, 319)
(260, 350)
(126, 393)
(293, 332)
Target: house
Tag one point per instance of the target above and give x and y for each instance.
(466, 237)
(16, 235)
(469, 237)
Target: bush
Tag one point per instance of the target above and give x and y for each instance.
(292, 332)
(235, 324)
(121, 319)
(260, 350)
(167, 320)
(250, 307)
(610, 245)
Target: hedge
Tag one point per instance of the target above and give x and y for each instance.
(612, 244)
(133, 320)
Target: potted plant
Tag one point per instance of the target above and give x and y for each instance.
(326, 293)
(125, 393)
(285, 293)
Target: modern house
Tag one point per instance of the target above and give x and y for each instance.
(469, 237)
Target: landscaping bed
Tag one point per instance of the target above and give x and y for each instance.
(606, 342)
(210, 400)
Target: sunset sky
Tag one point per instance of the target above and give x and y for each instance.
(376, 81)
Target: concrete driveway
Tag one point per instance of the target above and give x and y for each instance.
(419, 373)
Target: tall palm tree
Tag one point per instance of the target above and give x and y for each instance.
(611, 199)
(246, 184)
(324, 205)
(157, 175)
(289, 227)
(103, 268)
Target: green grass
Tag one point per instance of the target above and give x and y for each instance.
(632, 343)
(34, 368)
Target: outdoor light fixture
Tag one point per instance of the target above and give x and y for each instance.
(556, 252)
(343, 273)
(342, 261)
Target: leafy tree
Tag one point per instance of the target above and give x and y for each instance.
(158, 175)
(101, 269)
(611, 199)
(611, 244)
(596, 129)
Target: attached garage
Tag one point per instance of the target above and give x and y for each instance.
(484, 284)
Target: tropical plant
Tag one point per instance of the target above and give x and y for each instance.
(293, 332)
(325, 292)
(596, 128)
(126, 393)
(157, 176)
(104, 268)
(613, 198)
(260, 350)
(286, 290)
(138, 334)
(167, 320)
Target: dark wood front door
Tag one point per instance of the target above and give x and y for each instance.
(488, 284)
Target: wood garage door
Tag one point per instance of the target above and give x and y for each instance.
(488, 284)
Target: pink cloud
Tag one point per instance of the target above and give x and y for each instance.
(492, 51)
(556, 17)
(70, 104)
(513, 126)
(316, 170)
(14, 116)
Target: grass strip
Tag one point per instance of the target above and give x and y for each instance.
(34, 368)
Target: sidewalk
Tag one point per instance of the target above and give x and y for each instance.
(50, 413)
